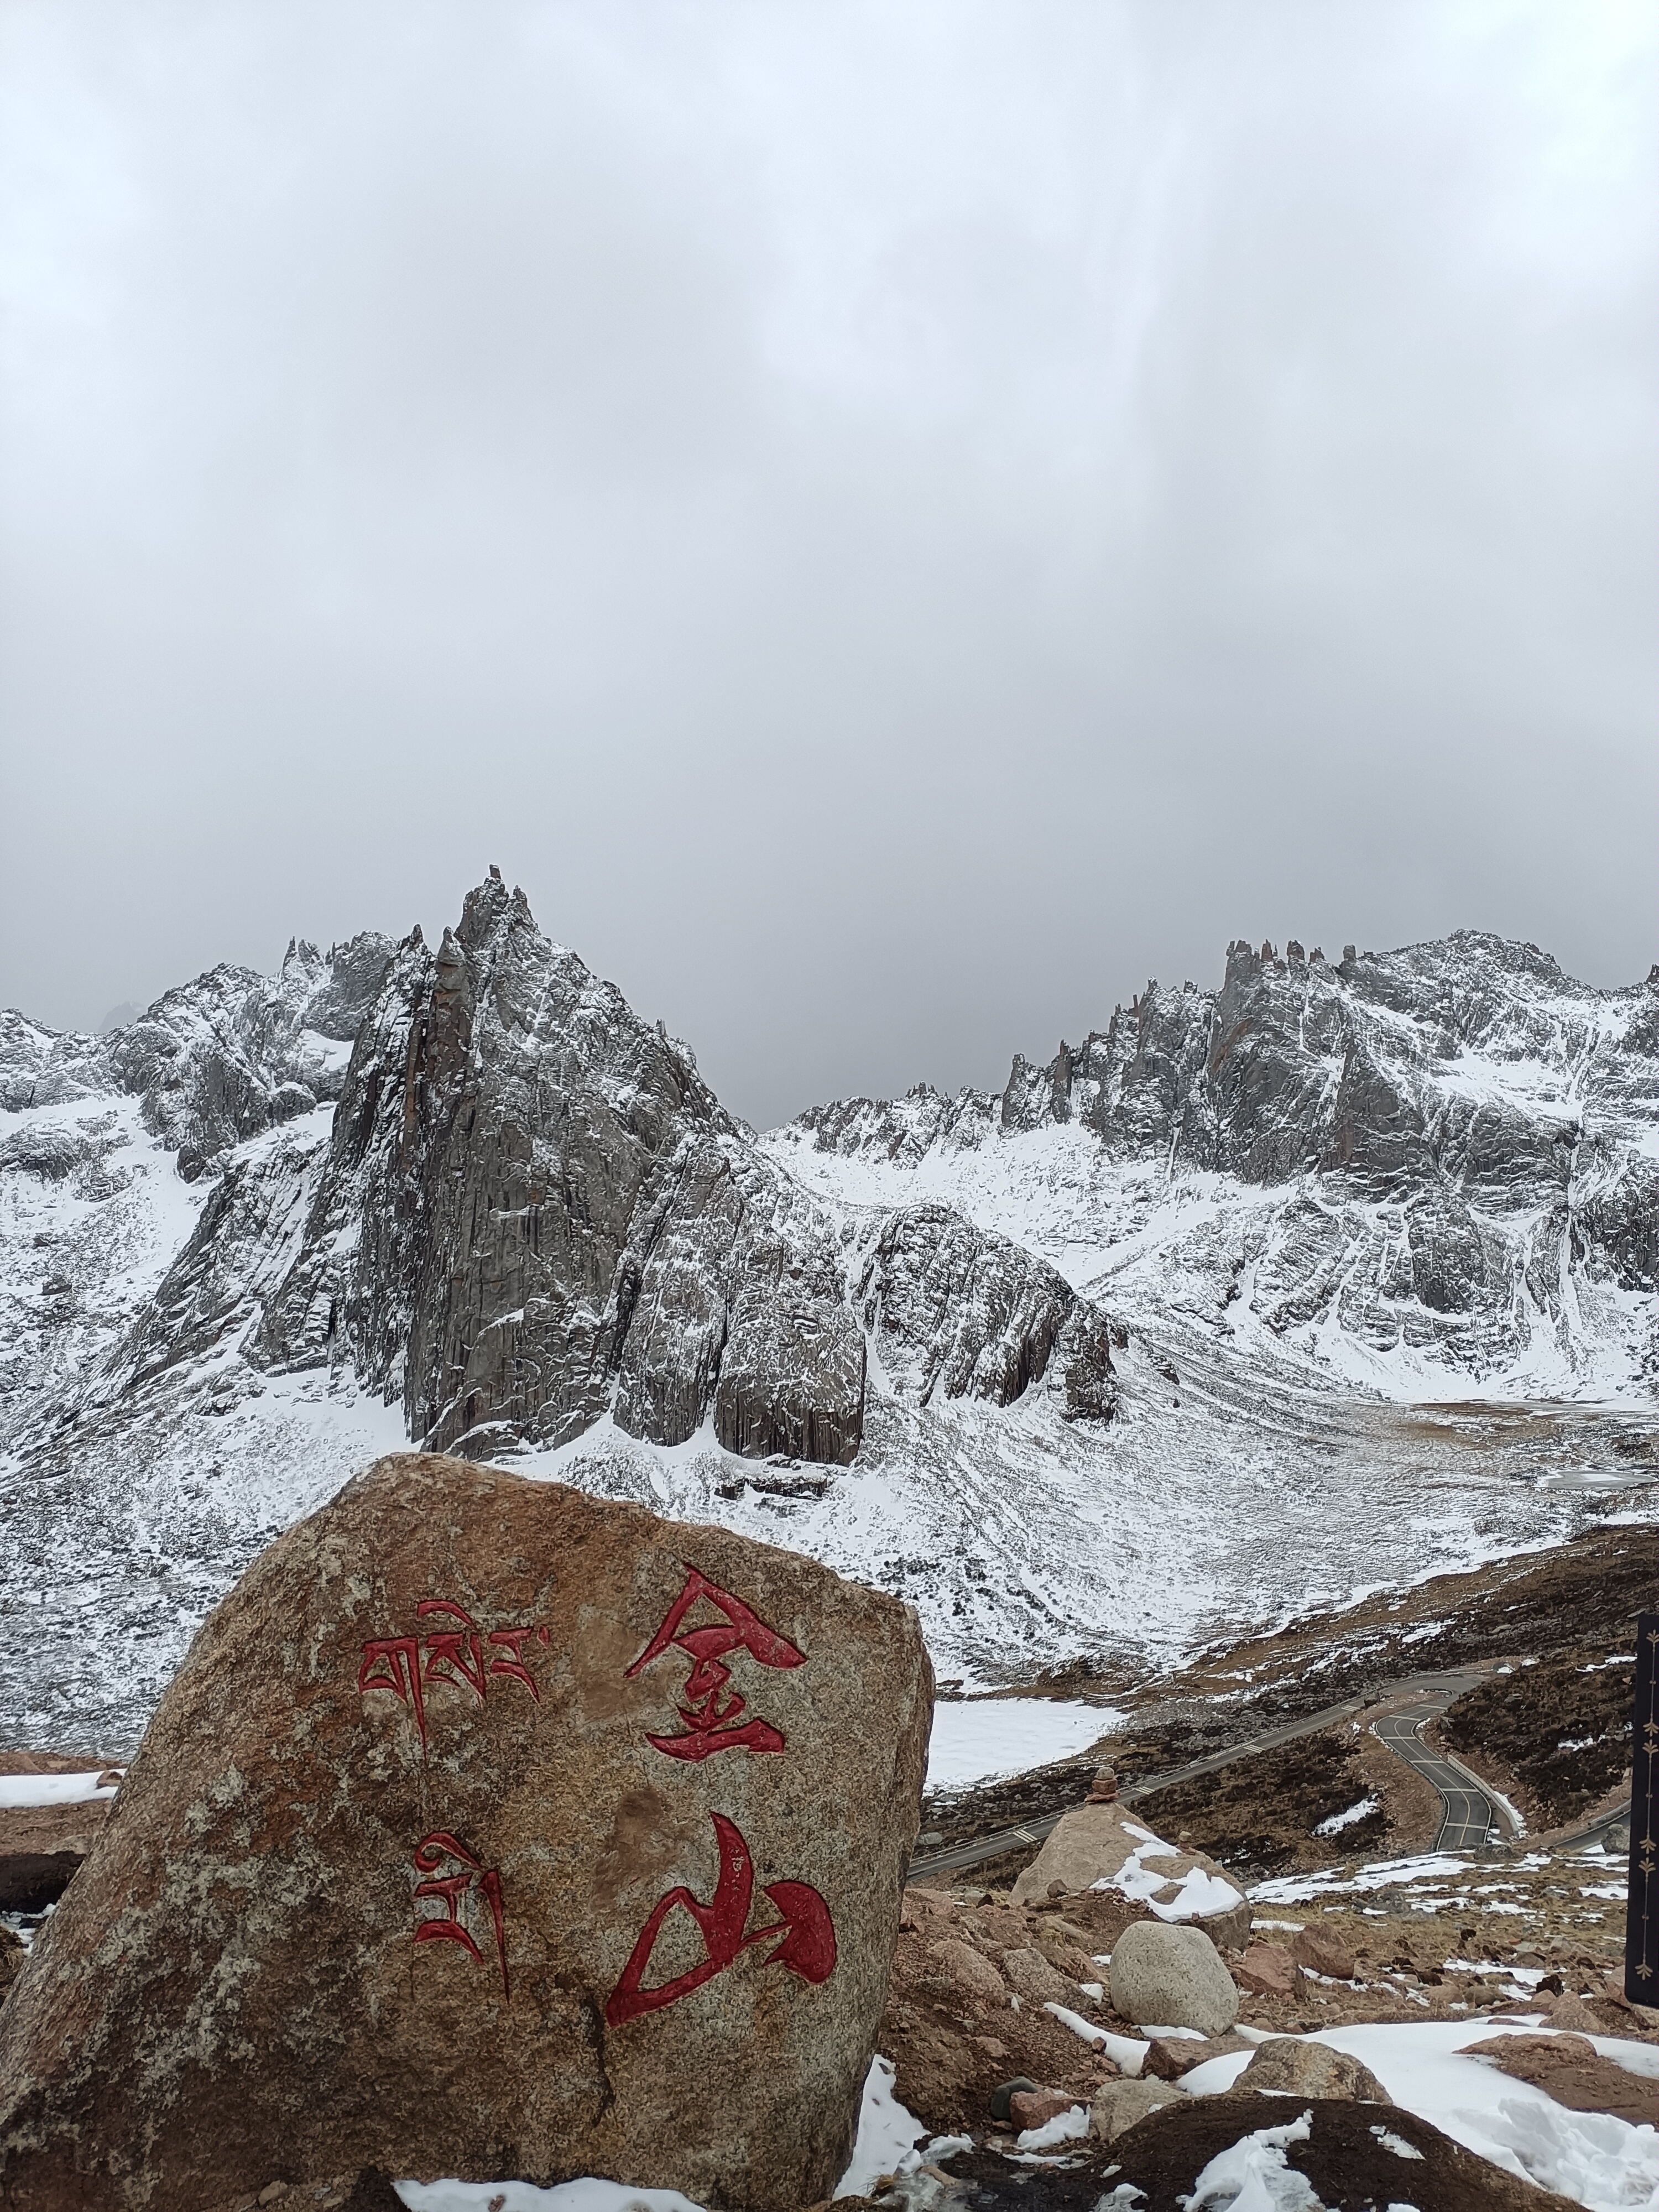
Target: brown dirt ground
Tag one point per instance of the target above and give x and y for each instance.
(1554, 1736)
(1260, 1817)
(1583, 1594)
(1346, 2164)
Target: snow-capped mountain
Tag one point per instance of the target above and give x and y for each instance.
(1139, 1347)
(1432, 1170)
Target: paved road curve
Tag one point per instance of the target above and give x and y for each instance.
(1469, 1820)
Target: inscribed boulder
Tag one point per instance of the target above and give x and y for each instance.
(488, 1830)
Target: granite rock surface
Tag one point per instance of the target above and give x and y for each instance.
(488, 1829)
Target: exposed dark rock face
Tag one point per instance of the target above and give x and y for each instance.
(1458, 1128)
(960, 1311)
(40, 1067)
(217, 1061)
(1295, 1065)
(532, 1211)
(236, 1257)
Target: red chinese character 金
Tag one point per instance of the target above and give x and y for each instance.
(430, 1853)
(710, 1724)
(451, 1654)
(807, 1935)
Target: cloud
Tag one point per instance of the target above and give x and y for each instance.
(893, 526)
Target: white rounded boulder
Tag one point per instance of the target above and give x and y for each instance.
(1166, 1975)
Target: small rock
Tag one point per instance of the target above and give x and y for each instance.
(1073, 1965)
(1119, 2105)
(1311, 2070)
(999, 1926)
(1035, 2108)
(992, 2046)
(271, 2192)
(1573, 2015)
(968, 1970)
(1003, 2095)
(1172, 1977)
(1168, 2057)
(1268, 1970)
(1323, 1954)
(1030, 1973)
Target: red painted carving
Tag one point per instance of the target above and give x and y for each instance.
(393, 1662)
(452, 1654)
(447, 1650)
(513, 1640)
(430, 1853)
(710, 1724)
(807, 1947)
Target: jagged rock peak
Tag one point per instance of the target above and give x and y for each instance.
(1290, 1066)
(216, 1060)
(532, 1211)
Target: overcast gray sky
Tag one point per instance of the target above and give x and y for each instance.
(895, 523)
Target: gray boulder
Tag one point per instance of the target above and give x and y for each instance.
(1120, 2104)
(1171, 1976)
(1311, 2070)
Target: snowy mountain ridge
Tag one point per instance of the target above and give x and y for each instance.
(1430, 1171)
(1092, 1369)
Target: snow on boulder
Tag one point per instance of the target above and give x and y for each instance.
(488, 1828)
(1104, 1847)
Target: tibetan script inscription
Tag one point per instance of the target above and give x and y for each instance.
(451, 1891)
(805, 1934)
(453, 1649)
(713, 1722)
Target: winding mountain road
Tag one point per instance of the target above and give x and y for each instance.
(1469, 1819)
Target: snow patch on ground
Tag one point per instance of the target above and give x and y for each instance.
(1253, 2175)
(1602, 2162)
(1338, 1821)
(977, 1740)
(17, 1791)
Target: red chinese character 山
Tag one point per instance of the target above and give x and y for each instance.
(805, 1934)
(451, 1890)
(713, 1724)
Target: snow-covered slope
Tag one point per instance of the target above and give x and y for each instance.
(1186, 1330)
